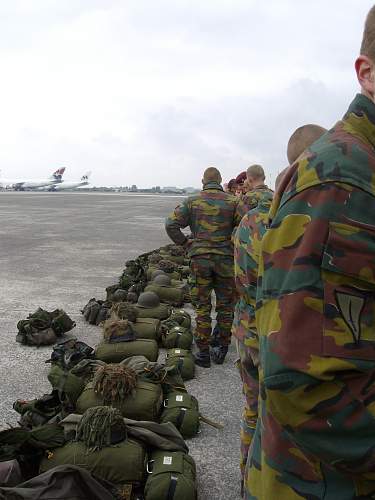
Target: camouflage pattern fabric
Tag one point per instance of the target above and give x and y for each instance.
(315, 319)
(212, 272)
(247, 247)
(250, 382)
(250, 200)
(211, 216)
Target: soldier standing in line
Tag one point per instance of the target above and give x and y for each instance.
(241, 186)
(211, 216)
(315, 315)
(247, 244)
(256, 190)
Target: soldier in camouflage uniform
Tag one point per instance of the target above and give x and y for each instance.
(257, 190)
(315, 317)
(247, 247)
(211, 216)
(247, 241)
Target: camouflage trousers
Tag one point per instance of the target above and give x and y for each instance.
(250, 382)
(212, 272)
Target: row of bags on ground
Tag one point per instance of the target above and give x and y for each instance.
(119, 409)
(129, 459)
(157, 391)
(160, 273)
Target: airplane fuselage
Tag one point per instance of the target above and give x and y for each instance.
(69, 185)
(20, 184)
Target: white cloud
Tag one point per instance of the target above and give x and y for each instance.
(151, 92)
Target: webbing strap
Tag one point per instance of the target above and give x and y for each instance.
(180, 418)
(172, 488)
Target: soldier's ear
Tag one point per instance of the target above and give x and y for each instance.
(364, 67)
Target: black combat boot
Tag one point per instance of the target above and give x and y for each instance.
(218, 354)
(202, 358)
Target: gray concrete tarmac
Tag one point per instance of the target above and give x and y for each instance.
(58, 250)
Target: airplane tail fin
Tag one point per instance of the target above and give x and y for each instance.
(86, 176)
(58, 174)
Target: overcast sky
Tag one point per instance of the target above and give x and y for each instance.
(150, 92)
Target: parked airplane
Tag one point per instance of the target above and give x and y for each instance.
(71, 185)
(22, 184)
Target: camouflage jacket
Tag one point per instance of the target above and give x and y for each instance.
(211, 216)
(316, 323)
(250, 200)
(247, 243)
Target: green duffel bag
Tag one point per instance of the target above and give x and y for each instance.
(174, 275)
(147, 328)
(64, 382)
(143, 404)
(177, 336)
(172, 476)
(118, 351)
(184, 361)
(176, 259)
(122, 463)
(182, 410)
(162, 311)
(168, 294)
(181, 317)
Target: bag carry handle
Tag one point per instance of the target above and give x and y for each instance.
(149, 471)
(180, 418)
(172, 488)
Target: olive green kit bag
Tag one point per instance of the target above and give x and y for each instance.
(182, 410)
(183, 359)
(169, 294)
(162, 311)
(172, 476)
(118, 351)
(143, 403)
(147, 328)
(178, 317)
(65, 382)
(122, 463)
(177, 336)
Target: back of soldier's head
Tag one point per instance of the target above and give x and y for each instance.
(211, 174)
(301, 139)
(255, 173)
(368, 40)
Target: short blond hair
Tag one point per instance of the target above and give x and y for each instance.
(255, 172)
(211, 174)
(368, 39)
(301, 139)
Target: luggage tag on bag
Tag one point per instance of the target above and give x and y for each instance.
(167, 461)
(179, 398)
